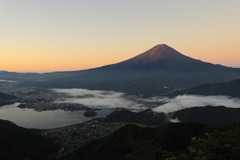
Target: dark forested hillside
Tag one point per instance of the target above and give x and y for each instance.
(175, 141)
(6, 99)
(228, 89)
(128, 140)
(145, 117)
(17, 143)
(209, 115)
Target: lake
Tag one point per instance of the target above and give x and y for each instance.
(29, 118)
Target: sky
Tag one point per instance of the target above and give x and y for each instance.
(64, 35)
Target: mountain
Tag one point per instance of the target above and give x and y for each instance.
(5, 75)
(181, 141)
(143, 143)
(2, 71)
(20, 143)
(147, 117)
(227, 89)
(7, 99)
(156, 71)
(4, 96)
(208, 115)
(159, 57)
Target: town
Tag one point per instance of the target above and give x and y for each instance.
(39, 99)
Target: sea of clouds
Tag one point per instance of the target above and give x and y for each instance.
(188, 101)
(98, 99)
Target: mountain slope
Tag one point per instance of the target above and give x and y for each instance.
(209, 115)
(7, 99)
(170, 137)
(5, 75)
(144, 117)
(19, 143)
(182, 141)
(156, 71)
(228, 89)
(160, 57)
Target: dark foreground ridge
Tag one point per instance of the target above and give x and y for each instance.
(17, 143)
(129, 142)
(122, 143)
(7, 99)
(182, 141)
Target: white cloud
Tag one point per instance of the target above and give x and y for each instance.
(110, 99)
(98, 99)
(174, 120)
(155, 99)
(8, 81)
(188, 101)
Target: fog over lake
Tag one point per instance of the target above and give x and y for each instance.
(7, 81)
(105, 102)
(98, 99)
(189, 101)
(110, 99)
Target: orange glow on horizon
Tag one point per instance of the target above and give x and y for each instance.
(76, 61)
(75, 35)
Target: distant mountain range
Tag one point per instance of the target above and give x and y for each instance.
(231, 89)
(2, 71)
(157, 71)
(5, 75)
(207, 115)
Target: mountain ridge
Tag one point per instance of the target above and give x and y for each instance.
(160, 56)
(161, 51)
(21, 143)
(227, 89)
(156, 71)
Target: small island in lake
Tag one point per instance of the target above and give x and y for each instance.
(89, 114)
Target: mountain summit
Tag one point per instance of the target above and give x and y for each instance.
(159, 57)
(160, 52)
(156, 71)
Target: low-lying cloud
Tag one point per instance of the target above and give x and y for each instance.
(98, 99)
(189, 101)
(7, 81)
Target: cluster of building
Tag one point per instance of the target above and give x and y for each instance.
(69, 137)
(40, 99)
(72, 137)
